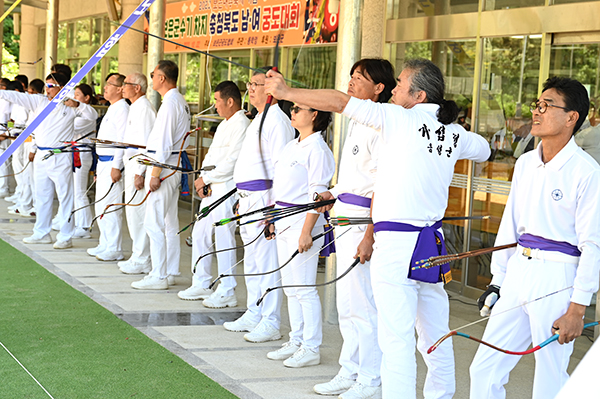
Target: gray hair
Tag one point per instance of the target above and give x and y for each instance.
(141, 80)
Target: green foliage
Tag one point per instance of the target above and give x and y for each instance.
(10, 68)
(11, 41)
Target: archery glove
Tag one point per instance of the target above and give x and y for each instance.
(488, 299)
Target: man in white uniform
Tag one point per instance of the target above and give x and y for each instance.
(360, 358)
(167, 139)
(223, 154)
(54, 173)
(553, 213)
(5, 110)
(108, 173)
(253, 176)
(419, 148)
(139, 125)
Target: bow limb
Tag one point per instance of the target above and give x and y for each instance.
(204, 212)
(348, 270)
(18, 173)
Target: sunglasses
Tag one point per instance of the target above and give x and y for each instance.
(295, 109)
(51, 85)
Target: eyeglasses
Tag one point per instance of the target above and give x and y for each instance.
(252, 85)
(152, 75)
(113, 84)
(129, 83)
(542, 106)
(51, 85)
(295, 109)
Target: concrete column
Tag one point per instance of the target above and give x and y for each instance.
(348, 52)
(156, 50)
(1, 32)
(373, 28)
(29, 39)
(51, 35)
(132, 43)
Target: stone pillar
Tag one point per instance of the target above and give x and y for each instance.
(51, 36)
(156, 50)
(373, 28)
(29, 40)
(132, 43)
(348, 52)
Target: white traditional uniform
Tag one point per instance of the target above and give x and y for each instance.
(415, 168)
(5, 110)
(83, 217)
(55, 173)
(223, 153)
(139, 125)
(558, 201)
(112, 128)
(304, 168)
(360, 357)
(261, 256)
(161, 222)
(19, 159)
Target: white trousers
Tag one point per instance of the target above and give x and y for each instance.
(304, 305)
(202, 236)
(25, 200)
(404, 305)
(360, 357)
(53, 174)
(516, 329)
(162, 224)
(83, 217)
(140, 245)
(4, 170)
(261, 256)
(110, 225)
(17, 165)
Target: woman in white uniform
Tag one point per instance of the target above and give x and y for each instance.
(83, 218)
(305, 167)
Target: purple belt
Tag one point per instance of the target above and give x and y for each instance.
(536, 242)
(354, 199)
(429, 243)
(255, 185)
(328, 238)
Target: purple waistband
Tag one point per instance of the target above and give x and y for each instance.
(397, 226)
(255, 185)
(536, 242)
(285, 204)
(354, 199)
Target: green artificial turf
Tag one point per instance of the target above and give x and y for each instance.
(77, 349)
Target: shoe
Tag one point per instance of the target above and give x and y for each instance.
(14, 212)
(63, 244)
(12, 207)
(25, 214)
(81, 232)
(171, 280)
(360, 391)
(13, 198)
(239, 325)
(194, 293)
(4, 194)
(35, 240)
(302, 358)
(286, 350)
(263, 333)
(150, 283)
(95, 251)
(217, 301)
(110, 256)
(336, 386)
(129, 267)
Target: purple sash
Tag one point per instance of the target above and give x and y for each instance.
(328, 238)
(354, 199)
(536, 242)
(255, 185)
(429, 243)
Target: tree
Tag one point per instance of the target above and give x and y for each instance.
(11, 41)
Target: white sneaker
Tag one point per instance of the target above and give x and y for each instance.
(194, 293)
(110, 256)
(14, 211)
(171, 280)
(36, 240)
(63, 244)
(286, 350)
(4, 194)
(129, 267)
(239, 325)
(303, 357)
(81, 232)
(151, 283)
(263, 332)
(95, 251)
(217, 301)
(55, 225)
(12, 207)
(360, 391)
(336, 386)
(27, 214)
(13, 198)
